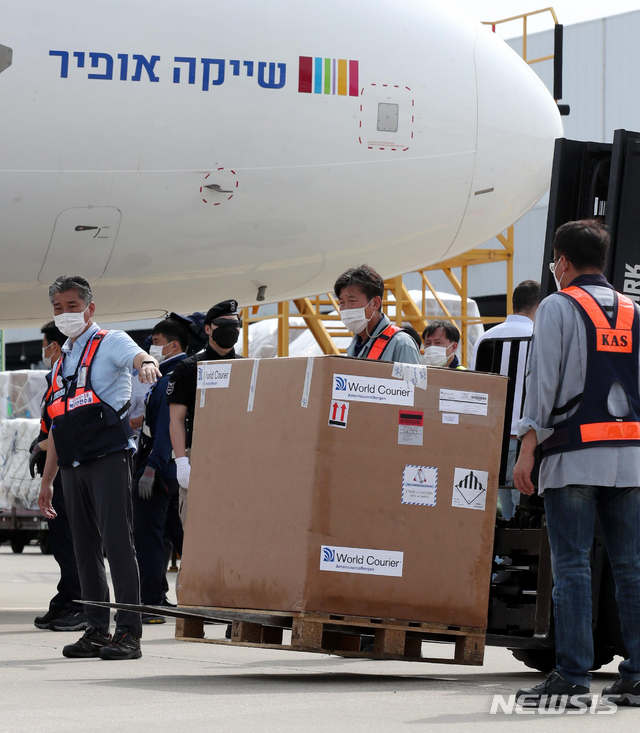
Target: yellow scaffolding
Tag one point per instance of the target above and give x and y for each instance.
(524, 18)
(320, 313)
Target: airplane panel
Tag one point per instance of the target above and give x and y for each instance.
(253, 144)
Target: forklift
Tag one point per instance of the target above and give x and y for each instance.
(589, 180)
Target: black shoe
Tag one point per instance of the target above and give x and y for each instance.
(554, 692)
(166, 602)
(122, 646)
(88, 645)
(623, 692)
(70, 621)
(42, 622)
(153, 618)
(227, 631)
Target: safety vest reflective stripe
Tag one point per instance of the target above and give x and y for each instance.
(618, 339)
(379, 345)
(597, 431)
(80, 397)
(57, 408)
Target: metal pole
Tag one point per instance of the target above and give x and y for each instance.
(463, 314)
(245, 333)
(510, 240)
(399, 299)
(284, 329)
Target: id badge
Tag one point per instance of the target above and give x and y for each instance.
(82, 377)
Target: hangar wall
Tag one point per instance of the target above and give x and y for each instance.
(601, 84)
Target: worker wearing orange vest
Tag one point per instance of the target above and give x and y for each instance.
(582, 407)
(91, 444)
(65, 612)
(360, 291)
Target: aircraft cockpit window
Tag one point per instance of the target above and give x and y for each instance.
(387, 117)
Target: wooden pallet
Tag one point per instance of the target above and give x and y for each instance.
(326, 633)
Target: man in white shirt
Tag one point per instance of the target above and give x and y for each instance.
(526, 298)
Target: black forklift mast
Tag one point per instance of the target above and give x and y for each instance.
(589, 180)
(599, 181)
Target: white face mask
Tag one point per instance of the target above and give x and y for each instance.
(156, 352)
(435, 356)
(354, 319)
(553, 266)
(71, 324)
(46, 360)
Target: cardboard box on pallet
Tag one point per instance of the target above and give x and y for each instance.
(327, 485)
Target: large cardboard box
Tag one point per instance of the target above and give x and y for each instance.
(327, 485)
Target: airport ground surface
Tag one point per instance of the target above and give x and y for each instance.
(202, 687)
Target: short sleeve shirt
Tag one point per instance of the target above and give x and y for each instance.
(112, 365)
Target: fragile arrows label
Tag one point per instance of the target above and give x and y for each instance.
(338, 413)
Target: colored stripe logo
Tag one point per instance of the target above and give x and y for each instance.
(328, 76)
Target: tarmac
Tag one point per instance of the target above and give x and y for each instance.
(186, 686)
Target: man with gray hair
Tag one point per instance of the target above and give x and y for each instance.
(92, 446)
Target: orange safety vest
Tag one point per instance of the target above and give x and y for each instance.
(44, 430)
(612, 357)
(82, 425)
(382, 341)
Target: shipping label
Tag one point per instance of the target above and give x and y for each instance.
(467, 403)
(370, 389)
(362, 561)
(450, 418)
(338, 414)
(410, 427)
(213, 375)
(420, 485)
(470, 489)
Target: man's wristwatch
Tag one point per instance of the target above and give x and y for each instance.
(148, 362)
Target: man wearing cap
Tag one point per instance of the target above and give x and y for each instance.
(222, 326)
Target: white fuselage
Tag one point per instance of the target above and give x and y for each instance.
(117, 115)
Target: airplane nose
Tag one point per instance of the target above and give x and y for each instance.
(518, 122)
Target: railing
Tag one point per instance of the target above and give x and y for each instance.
(325, 326)
(524, 18)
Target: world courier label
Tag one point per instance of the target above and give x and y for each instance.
(349, 387)
(361, 561)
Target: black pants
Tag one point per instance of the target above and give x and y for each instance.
(98, 496)
(155, 520)
(61, 544)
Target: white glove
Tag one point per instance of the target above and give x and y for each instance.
(145, 484)
(183, 469)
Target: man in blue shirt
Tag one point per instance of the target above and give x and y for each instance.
(155, 486)
(92, 445)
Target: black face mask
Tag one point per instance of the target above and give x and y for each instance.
(226, 336)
